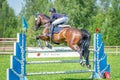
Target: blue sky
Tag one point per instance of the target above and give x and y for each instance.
(16, 5)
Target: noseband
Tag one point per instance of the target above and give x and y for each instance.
(43, 23)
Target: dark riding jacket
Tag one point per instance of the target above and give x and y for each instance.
(56, 16)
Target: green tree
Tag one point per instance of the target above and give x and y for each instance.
(107, 20)
(8, 21)
(79, 11)
(31, 8)
(102, 14)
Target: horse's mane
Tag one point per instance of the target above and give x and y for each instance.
(45, 16)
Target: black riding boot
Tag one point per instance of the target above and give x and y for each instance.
(51, 31)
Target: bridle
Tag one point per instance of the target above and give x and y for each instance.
(42, 22)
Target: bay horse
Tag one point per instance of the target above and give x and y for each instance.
(77, 39)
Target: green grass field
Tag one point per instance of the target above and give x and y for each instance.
(113, 60)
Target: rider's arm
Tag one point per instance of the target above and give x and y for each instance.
(51, 18)
(55, 16)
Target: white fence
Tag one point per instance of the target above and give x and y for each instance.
(112, 49)
(36, 52)
(108, 49)
(7, 45)
(9, 50)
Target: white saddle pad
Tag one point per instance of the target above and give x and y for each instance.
(64, 25)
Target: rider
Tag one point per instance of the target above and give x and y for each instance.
(55, 19)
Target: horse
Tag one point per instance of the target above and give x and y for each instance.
(77, 39)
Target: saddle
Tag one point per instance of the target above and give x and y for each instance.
(57, 29)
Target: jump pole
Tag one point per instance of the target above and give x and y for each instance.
(100, 61)
(17, 70)
(100, 66)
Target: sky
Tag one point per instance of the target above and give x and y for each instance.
(16, 5)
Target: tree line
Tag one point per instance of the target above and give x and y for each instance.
(92, 14)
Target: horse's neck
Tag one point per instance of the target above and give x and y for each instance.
(46, 25)
(45, 30)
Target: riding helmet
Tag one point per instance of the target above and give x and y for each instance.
(52, 10)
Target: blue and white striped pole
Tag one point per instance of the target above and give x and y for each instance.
(100, 58)
(17, 69)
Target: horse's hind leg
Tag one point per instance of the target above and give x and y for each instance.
(81, 52)
(86, 51)
(75, 47)
(86, 57)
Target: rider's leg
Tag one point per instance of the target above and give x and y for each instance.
(61, 20)
(51, 30)
(56, 22)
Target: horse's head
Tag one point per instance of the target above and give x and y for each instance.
(40, 19)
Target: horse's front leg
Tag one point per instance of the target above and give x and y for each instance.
(48, 45)
(38, 38)
(38, 41)
(39, 44)
(42, 37)
(46, 39)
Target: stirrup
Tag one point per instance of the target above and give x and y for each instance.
(50, 35)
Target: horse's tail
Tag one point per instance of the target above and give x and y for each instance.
(84, 44)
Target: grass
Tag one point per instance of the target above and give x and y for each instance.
(4, 64)
(113, 60)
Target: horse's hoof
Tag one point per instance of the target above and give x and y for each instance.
(82, 64)
(42, 47)
(49, 46)
(88, 66)
(37, 37)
